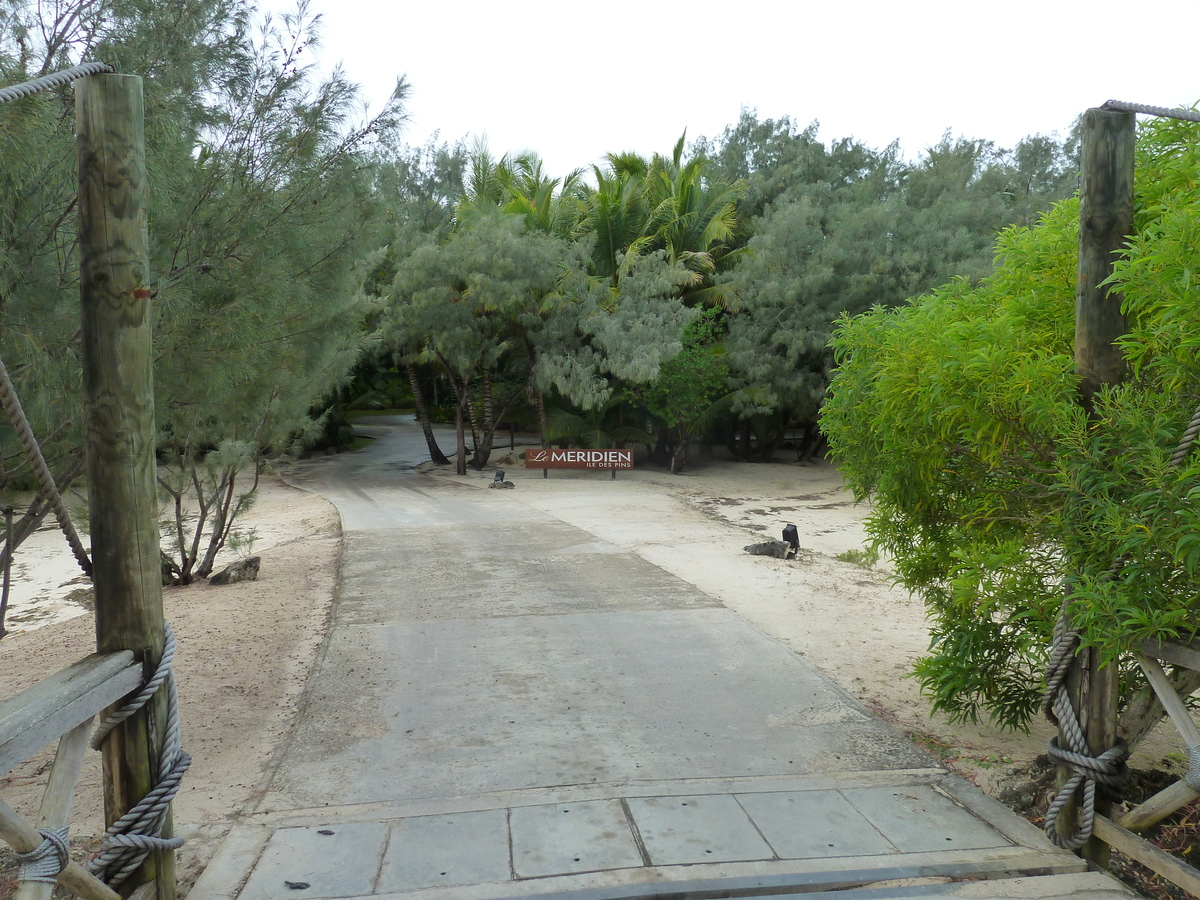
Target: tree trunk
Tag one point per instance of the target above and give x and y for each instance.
(489, 418)
(483, 443)
(816, 444)
(679, 457)
(460, 460)
(539, 403)
(221, 522)
(471, 417)
(775, 443)
(8, 530)
(435, 452)
(484, 449)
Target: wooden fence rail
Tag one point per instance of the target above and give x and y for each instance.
(1120, 834)
(61, 708)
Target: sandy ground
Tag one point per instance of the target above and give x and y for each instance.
(246, 649)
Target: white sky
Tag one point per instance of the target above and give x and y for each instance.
(575, 80)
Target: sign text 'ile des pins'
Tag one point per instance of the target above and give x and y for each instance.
(578, 459)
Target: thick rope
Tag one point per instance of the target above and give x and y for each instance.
(1109, 767)
(138, 833)
(45, 862)
(149, 689)
(1086, 770)
(54, 80)
(1189, 438)
(45, 480)
(1187, 115)
(1193, 773)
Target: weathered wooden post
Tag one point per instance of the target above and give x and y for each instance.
(119, 411)
(1105, 223)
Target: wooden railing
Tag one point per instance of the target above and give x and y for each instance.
(1120, 834)
(60, 708)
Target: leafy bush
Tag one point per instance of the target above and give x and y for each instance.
(997, 499)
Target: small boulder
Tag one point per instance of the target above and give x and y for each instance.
(778, 549)
(242, 570)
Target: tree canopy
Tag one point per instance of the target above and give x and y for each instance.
(261, 198)
(295, 244)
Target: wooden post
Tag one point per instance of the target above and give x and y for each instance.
(119, 412)
(1105, 223)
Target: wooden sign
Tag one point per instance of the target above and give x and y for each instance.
(578, 459)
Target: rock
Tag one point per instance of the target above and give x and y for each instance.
(242, 570)
(778, 549)
(501, 484)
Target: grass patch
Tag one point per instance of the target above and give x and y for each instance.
(359, 442)
(866, 557)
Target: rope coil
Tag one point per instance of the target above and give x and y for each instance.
(44, 863)
(138, 833)
(54, 80)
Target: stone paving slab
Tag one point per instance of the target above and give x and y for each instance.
(455, 849)
(571, 837)
(330, 862)
(814, 825)
(917, 819)
(688, 830)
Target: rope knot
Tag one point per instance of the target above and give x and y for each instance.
(1108, 769)
(45, 862)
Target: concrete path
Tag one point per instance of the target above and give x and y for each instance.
(506, 706)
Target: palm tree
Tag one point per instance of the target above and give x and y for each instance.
(639, 206)
(618, 217)
(694, 220)
(549, 205)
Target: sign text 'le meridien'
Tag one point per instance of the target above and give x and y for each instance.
(578, 459)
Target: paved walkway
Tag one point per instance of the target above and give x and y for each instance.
(507, 706)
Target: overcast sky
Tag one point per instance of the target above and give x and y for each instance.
(576, 80)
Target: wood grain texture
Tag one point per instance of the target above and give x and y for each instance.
(1175, 871)
(39, 715)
